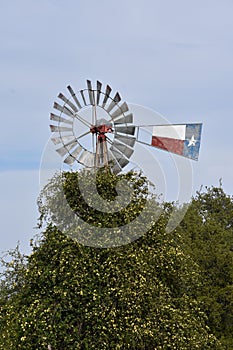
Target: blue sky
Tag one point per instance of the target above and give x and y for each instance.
(174, 57)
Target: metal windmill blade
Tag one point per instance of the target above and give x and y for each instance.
(94, 128)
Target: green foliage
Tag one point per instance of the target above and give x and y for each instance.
(73, 186)
(207, 231)
(12, 277)
(77, 297)
(140, 296)
(118, 201)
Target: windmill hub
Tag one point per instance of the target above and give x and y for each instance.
(101, 128)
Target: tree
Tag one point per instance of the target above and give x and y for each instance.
(136, 296)
(207, 231)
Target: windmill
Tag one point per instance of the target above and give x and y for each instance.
(96, 129)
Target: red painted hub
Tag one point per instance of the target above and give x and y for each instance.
(101, 130)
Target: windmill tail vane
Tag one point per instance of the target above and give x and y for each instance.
(94, 129)
(181, 139)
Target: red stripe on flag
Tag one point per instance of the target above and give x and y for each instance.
(171, 145)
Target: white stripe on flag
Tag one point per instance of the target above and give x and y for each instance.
(170, 131)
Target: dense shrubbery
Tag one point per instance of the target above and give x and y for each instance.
(207, 231)
(162, 291)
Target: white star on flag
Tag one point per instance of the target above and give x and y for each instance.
(192, 141)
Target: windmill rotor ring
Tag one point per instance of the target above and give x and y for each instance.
(93, 128)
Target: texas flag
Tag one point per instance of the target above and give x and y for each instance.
(181, 139)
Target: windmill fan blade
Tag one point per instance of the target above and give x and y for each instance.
(62, 139)
(116, 168)
(73, 155)
(117, 153)
(125, 129)
(55, 128)
(125, 119)
(123, 162)
(83, 156)
(120, 110)
(66, 148)
(89, 86)
(117, 97)
(69, 160)
(130, 141)
(63, 98)
(74, 96)
(119, 156)
(90, 160)
(90, 92)
(107, 95)
(99, 86)
(114, 102)
(59, 119)
(56, 140)
(63, 109)
(127, 151)
(86, 158)
(83, 97)
(113, 163)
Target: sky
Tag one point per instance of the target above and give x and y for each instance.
(173, 57)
